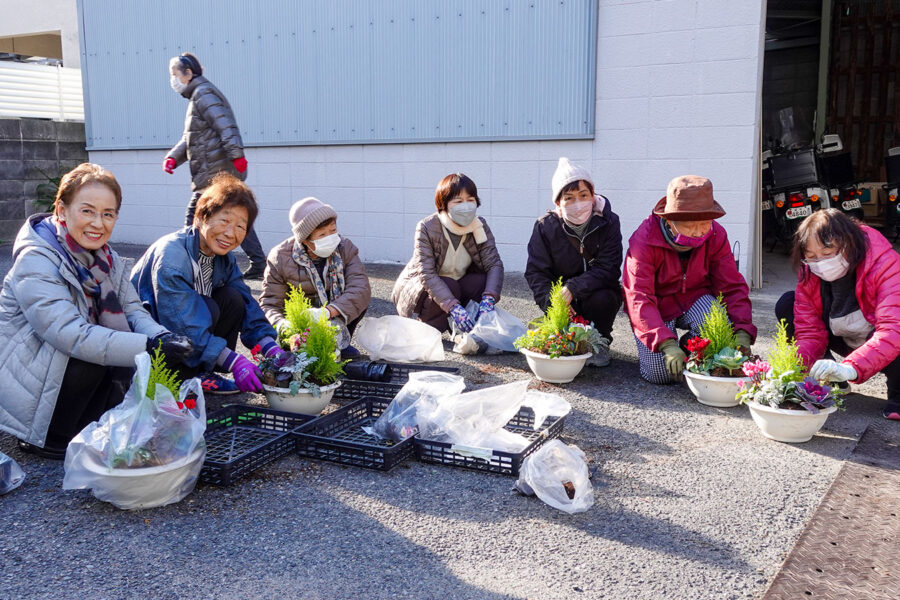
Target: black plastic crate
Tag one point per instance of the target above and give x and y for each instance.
(505, 463)
(242, 438)
(354, 389)
(338, 437)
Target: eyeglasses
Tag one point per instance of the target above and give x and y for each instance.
(107, 217)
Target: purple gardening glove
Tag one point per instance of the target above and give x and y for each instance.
(461, 318)
(246, 375)
(486, 305)
(275, 352)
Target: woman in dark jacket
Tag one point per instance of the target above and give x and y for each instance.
(579, 241)
(211, 144)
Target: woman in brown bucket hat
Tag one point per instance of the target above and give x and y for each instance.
(678, 261)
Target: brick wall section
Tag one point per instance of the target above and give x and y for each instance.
(28, 149)
(677, 92)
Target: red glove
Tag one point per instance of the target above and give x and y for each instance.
(169, 165)
(240, 164)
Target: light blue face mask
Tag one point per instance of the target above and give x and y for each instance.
(463, 213)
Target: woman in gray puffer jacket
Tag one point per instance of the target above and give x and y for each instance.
(211, 143)
(72, 320)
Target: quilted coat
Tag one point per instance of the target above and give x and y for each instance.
(44, 321)
(658, 287)
(211, 139)
(420, 275)
(878, 293)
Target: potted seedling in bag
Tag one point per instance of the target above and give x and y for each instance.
(786, 404)
(304, 379)
(713, 369)
(557, 345)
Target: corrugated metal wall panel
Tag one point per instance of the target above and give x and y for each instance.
(345, 71)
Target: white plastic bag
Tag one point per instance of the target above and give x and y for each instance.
(399, 419)
(398, 339)
(545, 405)
(142, 453)
(11, 474)
(471, 418)
(493, 333)
(558, 474)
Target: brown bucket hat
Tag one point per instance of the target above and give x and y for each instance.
(689, 198)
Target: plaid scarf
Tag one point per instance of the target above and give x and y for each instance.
(334, 273)
(93, 268)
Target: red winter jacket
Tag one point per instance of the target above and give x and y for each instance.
(878, 293)
(658, 289)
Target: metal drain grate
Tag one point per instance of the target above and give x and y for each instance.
(851, 547)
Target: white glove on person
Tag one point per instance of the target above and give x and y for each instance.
(829, 370)
(318, 312)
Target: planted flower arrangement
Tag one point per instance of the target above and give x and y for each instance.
(304, 379)
(558, 344)
(786, 404)
(714, 364)
(147, 451)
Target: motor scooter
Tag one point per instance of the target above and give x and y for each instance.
(836, 168)
(796, 190)
(892, 208)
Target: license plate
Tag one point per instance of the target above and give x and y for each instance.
(767, 205)
(850, 204)
(799, 212)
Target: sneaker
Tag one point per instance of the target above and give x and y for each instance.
(891, 410)
(600, 358)
(213, 383)
(47, 452)
(349, 353)
(254, 272)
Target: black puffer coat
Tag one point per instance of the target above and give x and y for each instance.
(552, 254)
(211, 138)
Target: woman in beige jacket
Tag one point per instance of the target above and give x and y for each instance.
(325, 265)
(455, 260)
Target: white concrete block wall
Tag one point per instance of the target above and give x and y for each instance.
(677, 92)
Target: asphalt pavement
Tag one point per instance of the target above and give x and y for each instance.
(690, 502)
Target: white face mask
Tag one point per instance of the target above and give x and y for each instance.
(829, 269)
(325, 247)
(463, 213)
(176, 84)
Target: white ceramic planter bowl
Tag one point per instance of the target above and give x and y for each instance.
(304, 402)
(146, 487)
(555, 370)
(792, 426)
(714, 391)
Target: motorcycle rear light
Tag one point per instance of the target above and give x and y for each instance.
(835, 198)
(796, 197)
(814, 198)
(796, 204)
(780, 203)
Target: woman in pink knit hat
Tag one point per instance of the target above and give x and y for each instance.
(322, 263)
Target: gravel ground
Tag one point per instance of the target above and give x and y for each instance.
(690, 502)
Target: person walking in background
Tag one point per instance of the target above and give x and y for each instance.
(847, 301)
(454, 260)
(580, 242)
(71, 319)
(324, 265)
(211, 143)
(678, 261)
(190, 283)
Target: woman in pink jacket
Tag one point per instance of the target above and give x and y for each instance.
(678, 261)
(847, 301)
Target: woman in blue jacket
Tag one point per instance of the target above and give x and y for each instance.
(190, 282)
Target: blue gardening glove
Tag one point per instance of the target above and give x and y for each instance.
(829, 370)
(486, 305)
(461, 318)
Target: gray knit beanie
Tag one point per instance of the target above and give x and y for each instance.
(567, 173)
(307, 214)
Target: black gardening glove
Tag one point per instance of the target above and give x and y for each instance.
(175, 347)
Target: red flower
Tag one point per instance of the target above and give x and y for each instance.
(180, 405)
(696, 345)
(255, 350)
(190, 403)
(580, 320)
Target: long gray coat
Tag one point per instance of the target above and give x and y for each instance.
(420, 276)
(211, 138)
(44, 321)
